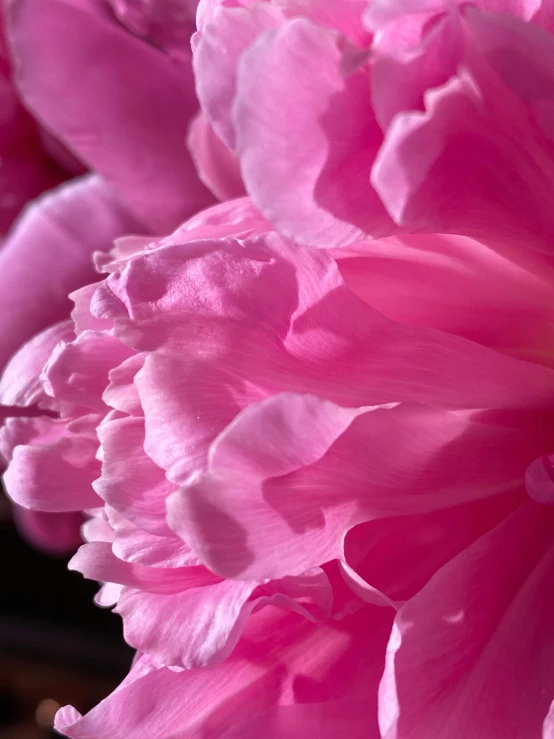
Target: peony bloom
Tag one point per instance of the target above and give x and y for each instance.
(318, 481)
(276, 461)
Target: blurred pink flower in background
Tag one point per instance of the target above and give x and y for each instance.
(311, 429)
(124, 112)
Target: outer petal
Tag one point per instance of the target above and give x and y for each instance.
(120, 96)
(476, 636)
(282, 659)
(134, 545)
(96, 561)
(293, 474)
(201, 626)
(78, 371)
(49, 253)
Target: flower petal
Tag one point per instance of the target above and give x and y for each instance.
(306, 490)
(476, 636)
(282, 659)
(120, 95)
(49, 253)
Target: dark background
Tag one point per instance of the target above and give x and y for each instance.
(56, 646)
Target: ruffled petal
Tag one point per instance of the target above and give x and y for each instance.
(293, 474)
(131, 482)
(55, 476)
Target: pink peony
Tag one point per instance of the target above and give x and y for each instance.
(280, 451)
(318, 481)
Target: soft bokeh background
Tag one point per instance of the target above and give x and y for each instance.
(56, 646)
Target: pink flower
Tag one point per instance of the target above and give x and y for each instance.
(277, 448)
(318, 482)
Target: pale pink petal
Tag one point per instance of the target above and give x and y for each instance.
(539, 479)
(216, 56)
(131, 482)
(20, 384)
(81, 316)
(16, 431)
(49, 253)
(120, 392)
(477, 637)
(77, 371)
(185, 404)
(210, 619)
(56, 476)
(120, 96)
(307, 166)
(96, 561)
(548, 725)
(410, 57)
(310, 333)
(487, 169)
(135, 545)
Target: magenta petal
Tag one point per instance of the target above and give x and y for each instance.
(53, 533)
(476, 636)
(121, 96)
(282, 660)
(49, 253)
